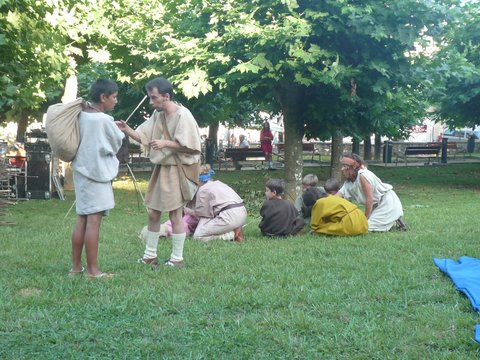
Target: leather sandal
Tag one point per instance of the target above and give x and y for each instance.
(173, 263)
(152, 261)
(101, 275)
(73, 273)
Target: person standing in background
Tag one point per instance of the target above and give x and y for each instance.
(266, 138)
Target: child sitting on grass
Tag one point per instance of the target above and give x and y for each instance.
(308, 181)
(333, 215)
(332, 186)
(279, 217)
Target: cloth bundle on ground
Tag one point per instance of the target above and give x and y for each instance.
(465, 275)
(62, 128)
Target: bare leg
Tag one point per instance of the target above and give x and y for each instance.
(78, 238)
(176, 217)
(268, 159)
(154, 220)
(92, 234)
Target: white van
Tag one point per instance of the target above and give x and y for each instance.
(460, 134)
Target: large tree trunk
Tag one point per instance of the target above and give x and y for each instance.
(367, 148)
(289, 96)
(378, 147)
(213, 131)
(337, 152)
(22, 128)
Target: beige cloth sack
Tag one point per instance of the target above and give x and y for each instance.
(62, 128)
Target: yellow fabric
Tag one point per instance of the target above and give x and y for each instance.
(334, 215)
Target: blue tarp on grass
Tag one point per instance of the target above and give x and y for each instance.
(465, 274)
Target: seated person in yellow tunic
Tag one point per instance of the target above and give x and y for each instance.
(332, 215)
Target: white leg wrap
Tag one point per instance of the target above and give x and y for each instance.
(227, 236)
(151, 244)
(163, 230)
(178, 241)
(141, 236)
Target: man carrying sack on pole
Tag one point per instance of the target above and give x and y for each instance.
(171, 134)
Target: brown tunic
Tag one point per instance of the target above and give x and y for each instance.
(164, 193)
(279, 218)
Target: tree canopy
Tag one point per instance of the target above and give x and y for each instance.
(336, 66)
(455, 78)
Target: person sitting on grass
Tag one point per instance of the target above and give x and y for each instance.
(333, 215)
(220, 210)
(308, 181)
(279, 217)
(331, 186)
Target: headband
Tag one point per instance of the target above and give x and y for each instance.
(348, 161)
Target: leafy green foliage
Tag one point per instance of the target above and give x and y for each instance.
(33, 57)
(456, 70)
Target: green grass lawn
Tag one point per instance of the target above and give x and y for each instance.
(377, 296)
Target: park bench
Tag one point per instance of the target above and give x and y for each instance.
(241, 154)
(137, 160)
(307, 148)
(429, 151)
(453, 149)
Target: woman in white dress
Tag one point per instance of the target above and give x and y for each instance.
(383, 208)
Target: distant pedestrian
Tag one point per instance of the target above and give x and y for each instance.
(266, 139)
(232, 142)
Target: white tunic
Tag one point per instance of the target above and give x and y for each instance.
(96, 164)
(387, 207)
